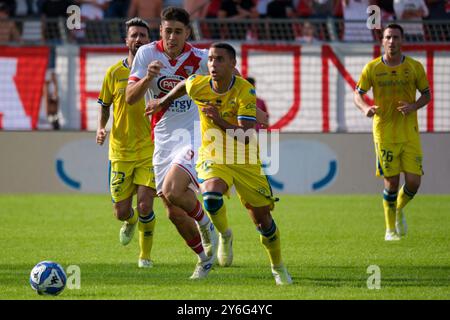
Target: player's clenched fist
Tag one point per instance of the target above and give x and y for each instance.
(152, 107)
(211, 112)
(101, 136)
(154, 68)
(406, 108)
(370, 112)
(262, 118)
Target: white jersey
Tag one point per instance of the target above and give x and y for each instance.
(175, 131)
(182, 113)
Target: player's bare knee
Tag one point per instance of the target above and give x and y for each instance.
(144, 207)
(173, 197)
(261, 216)
(122, 213)
(172, 194)
(412, 182)
(263, 222)
(176, 196)
(391, 185)
(267, 229)
(413, 186)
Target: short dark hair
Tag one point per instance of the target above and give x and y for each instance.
(176, 14)
(137, 22)
(393, 26)
(226, 46)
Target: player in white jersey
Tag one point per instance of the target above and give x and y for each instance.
(157, 68)
(181, 115)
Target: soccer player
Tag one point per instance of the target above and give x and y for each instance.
(228, 106)
(130, 148)
(395, 78)
(157, 67)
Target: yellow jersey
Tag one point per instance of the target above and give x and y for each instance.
(391, 85)
(130, 137)
(237, 103)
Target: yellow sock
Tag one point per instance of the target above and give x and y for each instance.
(390, 206)
(270, 239)
(146, 225)
(134, 218)
(219, 219)
(404, 196)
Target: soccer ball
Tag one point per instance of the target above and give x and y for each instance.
(48, 278)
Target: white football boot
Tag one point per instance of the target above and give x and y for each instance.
(126, 233)
(225, 250)
(209, 238)
(400, 223)
(145, 264)
(203, 268)
(281, 275)
(391, 236)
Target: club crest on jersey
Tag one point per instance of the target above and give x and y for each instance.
(167, 83)
(406, 73)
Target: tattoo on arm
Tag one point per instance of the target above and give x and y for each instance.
(104, 116)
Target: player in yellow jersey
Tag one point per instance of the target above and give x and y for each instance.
(395, 78)
(130, 148)
(228, 106)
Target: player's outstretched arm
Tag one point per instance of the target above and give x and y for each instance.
(358, 99)
(213, 113)
(154, 106)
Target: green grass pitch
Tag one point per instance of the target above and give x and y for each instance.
(328, 242)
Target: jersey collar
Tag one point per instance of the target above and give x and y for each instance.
(125, 63)
(403, 59)
(233, 80)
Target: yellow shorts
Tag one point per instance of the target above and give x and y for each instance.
(124, 176)
(393, 158)
(252, 186)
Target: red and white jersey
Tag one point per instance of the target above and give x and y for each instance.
(182, 113)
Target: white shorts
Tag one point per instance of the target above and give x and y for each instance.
(185, 159)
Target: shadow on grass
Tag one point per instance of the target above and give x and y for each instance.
(118, 274)
(391, 276)
(177, 274)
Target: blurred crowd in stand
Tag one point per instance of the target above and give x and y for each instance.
(299, 21)
(101, 20)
